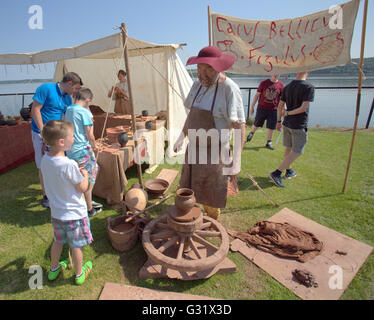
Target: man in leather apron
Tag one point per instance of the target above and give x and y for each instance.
(216, 107)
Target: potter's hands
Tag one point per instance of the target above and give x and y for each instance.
(179, 143)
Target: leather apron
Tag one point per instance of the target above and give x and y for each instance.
(206, 180)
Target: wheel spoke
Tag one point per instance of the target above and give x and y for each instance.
(181, 247)
(204, 242)
(168, 244)
(193, 246)
(205, 225)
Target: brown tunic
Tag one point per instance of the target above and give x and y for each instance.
(122, 106)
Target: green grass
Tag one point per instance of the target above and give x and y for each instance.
(26, 234)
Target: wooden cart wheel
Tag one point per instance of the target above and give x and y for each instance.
(202, 249)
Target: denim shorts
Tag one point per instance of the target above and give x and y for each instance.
(76, 233)
(295, 139)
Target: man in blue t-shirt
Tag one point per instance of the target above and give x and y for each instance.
(49, 103)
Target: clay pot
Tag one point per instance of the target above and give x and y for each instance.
(136, 197)
(149, 125)
(123, 138)
(11, 122)
(185, 200)
(123, 236)
(145, 113)
(25, 113)
(113, 133)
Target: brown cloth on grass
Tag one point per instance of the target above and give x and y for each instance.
(281, 239)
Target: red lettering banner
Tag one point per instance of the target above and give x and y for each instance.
(316, 41)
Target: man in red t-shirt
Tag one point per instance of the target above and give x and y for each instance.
(268, 95)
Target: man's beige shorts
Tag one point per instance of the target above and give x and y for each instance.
(295, 139)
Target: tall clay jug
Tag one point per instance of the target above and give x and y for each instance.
(185, 200)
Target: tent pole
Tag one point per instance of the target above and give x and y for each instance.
(358, 101)
(210, 27)
(167, 95)
(126, 57)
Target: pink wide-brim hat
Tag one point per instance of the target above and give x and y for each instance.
(213, 56)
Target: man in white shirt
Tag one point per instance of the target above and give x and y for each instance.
(216, 106)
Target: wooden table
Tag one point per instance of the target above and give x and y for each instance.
(16, 146)
(115, 120)
(111, 180)
(113, 161)
(112, 121)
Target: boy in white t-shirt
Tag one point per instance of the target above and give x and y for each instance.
(64, 184)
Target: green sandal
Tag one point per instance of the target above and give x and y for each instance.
(86, 269)
(52, 275)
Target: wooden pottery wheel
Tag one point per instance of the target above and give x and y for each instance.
(185, 241)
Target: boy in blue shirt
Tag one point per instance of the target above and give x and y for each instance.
(49, 103)
(84, 146)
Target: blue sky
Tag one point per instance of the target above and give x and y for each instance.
(72, 22)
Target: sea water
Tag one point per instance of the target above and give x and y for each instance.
(334, 106)
(11, 105)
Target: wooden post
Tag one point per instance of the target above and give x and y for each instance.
(210, 27)
(358, 101)
(126, 57)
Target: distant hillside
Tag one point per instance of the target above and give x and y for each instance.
(26, 81)
(349, 69)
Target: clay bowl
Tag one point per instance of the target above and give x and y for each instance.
(113, 133)
(156, 186)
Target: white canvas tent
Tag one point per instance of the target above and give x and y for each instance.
(159, 79)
